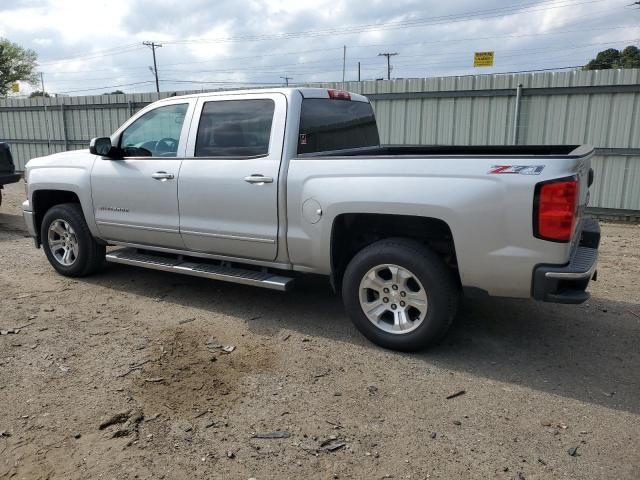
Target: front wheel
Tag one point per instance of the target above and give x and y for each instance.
(399, 294)
(68, 243)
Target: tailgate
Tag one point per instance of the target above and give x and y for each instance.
(585, 180)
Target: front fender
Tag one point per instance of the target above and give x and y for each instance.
(60, 172)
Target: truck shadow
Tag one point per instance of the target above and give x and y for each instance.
(12, 224)
(589, 352)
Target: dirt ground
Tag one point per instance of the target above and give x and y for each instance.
(551, 391)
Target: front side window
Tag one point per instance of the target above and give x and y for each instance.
(235, 128)
(156, 133)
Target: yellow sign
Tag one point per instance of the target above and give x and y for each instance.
(15, 88)
(483, 59)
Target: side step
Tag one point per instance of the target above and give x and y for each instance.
(130, 256)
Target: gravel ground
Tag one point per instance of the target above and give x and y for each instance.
(551, 391)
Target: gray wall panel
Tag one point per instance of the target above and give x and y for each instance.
(440, 110)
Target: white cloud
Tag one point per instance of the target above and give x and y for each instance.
(100, 42)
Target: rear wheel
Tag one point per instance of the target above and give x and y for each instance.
(68, 243)
(399, 294)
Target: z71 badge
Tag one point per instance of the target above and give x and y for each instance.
(518, 169)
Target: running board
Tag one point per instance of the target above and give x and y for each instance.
(130, 256)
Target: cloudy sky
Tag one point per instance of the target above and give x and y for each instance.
(93, 46)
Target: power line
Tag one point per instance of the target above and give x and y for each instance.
(221, 82)
(273, 67)
(419, 22)
(234, 82)
(257, 69)
(444, 19)
(106, 87)
(435, 42)
(276, 69)
(97, 54)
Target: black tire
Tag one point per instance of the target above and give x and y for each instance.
(428, 268)
(90, 254)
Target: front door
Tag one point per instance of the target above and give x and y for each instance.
(228, 185)
(135, 199)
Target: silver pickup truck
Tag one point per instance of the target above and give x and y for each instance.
(258, 187)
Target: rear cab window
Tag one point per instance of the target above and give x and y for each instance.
(235, 128)
(328, 124)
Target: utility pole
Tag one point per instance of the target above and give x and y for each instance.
(344, 61)
(358, 71)
(42, 82)
(153, 46)
(388, 55)
(286, 80)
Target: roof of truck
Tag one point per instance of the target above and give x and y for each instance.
(306, 92)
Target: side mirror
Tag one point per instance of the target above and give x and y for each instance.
(102, 146)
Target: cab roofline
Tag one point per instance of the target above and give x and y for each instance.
(311, 92)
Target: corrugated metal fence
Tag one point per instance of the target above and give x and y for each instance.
(599, 108)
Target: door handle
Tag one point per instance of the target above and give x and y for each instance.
(162, 176)
(258, 179)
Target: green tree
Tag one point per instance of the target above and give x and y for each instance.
(612, 58)
(38, 93)
(115, 92)
(630, 57)
(16, 64)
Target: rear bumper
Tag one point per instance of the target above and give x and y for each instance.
(567, 283)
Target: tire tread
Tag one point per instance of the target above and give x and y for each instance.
(94, 254)
(423, 255)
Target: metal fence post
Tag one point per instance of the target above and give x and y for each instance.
(516, 115)
(46, 123)
(65, 137)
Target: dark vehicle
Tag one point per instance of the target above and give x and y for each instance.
(7, 168)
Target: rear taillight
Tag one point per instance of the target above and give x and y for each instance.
(339, 95)
(555, 209)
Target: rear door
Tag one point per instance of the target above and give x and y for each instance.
(135, 199)
(228, 185)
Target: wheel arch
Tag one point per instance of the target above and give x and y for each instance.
(44, 199)
(351, 232)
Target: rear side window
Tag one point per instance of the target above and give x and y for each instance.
(328, 124)
(235, 128)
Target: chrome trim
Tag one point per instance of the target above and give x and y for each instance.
(191, 253)
(230, 237)
(162, 176)
(258, 179)
(575, 275)
(213, 272)
(136, 227)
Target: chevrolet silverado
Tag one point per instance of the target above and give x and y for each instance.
(259, 187)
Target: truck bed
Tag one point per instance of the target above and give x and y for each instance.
(572, 151)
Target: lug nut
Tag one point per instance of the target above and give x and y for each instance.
(403, 294)
(385, 300)
(395, 287)
(393, 306)
(385, 290)
(402, 304)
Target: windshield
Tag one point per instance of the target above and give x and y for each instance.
(328, 124)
